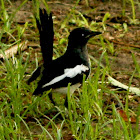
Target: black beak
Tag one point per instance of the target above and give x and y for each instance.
(93, 33)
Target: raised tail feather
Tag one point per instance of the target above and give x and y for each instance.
(45, 27)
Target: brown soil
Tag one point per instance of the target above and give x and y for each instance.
(125, 43)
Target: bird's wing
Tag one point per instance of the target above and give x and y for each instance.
(70, 75)
(45, 27)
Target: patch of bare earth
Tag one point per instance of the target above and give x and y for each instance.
(125, 43)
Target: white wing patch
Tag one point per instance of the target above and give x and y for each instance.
(70, 72)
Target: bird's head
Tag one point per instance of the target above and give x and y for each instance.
(80, 36)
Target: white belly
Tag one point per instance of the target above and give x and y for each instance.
(64, 90)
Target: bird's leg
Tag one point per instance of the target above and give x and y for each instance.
(66, 102)
(51, 98)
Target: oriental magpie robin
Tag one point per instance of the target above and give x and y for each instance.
(68, 68)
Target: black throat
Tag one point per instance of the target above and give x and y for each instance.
(78, 53)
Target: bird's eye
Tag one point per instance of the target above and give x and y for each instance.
(83, 35)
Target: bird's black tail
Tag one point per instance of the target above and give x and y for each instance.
(45, 27)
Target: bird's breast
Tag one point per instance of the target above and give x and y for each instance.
(64, 90)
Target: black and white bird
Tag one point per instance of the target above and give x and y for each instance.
(69, 68)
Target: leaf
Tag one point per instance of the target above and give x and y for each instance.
(106, 16)
(123, 115)
(14, 49)
(119, 84)
(125, 118)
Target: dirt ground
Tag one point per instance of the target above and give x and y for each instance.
(125, 43)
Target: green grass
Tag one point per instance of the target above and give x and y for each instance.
(90, 113)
